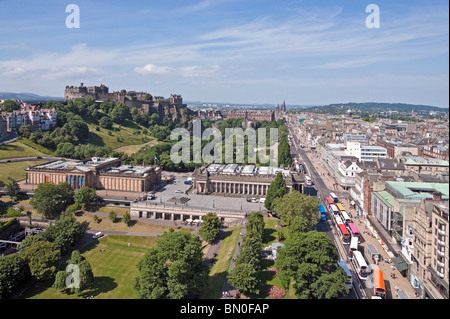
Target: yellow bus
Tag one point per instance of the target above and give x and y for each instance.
(340, 207)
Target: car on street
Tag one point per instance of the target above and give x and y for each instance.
(179, 191)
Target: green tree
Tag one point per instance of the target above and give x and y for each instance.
(310, 261)
(250, 251)
(161, 132)
(148, 97)
(13, 270)
(296, 204)
(29, 241)
(60, 281)
(107, 105)
(299, 224)
(106, 122)
(13, 189)
(65, 150)
(172, 269)
(50, 199)
(126, 218)
(25, 131)
(244, 277)
(119, 113)
(65, 233)
(85, 196)
(86, 276)
(112, 216)
(210, 227)
(276, 189)
(43, 259)
(9, 106)
(77, 129)
(255, 225)
(330, 285)
(305, 276)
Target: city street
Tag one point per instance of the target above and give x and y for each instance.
(324, 184)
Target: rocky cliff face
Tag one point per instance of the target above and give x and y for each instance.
(180, 115)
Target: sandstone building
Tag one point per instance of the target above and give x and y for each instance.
(249, 180)
(98, 173)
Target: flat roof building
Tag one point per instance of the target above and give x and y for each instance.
(98, 173)
(232, 179)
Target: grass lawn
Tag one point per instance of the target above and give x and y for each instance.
(15, 170)
(219, 270)
(36, 146)
(18, 149)
(123, 137)
(135, 227)
(120, 211)
(114, 269)
(131, 149)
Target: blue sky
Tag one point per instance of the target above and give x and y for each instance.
(249, 51)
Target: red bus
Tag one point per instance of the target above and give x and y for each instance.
(345, 235)
(329, 201)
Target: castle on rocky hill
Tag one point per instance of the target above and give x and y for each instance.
(140, 100)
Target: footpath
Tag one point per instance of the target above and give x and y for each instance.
(228, 291)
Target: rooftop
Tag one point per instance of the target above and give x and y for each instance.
(247, 170)
(417, 190)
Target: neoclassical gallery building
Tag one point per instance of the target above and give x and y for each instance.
(249, 180)
(98, 173)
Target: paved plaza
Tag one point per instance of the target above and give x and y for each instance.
(170, 194)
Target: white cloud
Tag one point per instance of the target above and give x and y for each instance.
(72, 72)
(149, 69)
(199, 71)
(186, 71)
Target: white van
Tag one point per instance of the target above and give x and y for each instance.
(262, 200)
(97, 235)
(308, 180)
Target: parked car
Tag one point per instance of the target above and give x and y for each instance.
(178, 191)
(97, 235)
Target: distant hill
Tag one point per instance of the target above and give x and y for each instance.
(28, 97)
(375, 107)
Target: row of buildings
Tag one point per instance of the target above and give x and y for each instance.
(247, 114)
(38, 119)
(397, 177)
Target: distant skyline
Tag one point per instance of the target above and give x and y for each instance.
(248, 52)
